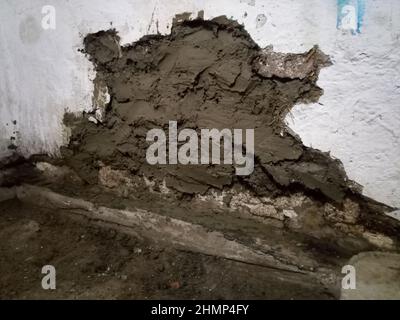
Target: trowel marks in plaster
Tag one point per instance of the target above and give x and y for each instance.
(205, 74)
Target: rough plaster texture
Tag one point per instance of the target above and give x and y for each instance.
(43, 74)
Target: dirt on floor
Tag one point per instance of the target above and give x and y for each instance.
(96, 262)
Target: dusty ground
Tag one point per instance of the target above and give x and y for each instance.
(95, 262)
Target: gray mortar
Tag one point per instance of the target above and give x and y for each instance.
(205, 74)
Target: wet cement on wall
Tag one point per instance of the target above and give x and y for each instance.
(205, 74)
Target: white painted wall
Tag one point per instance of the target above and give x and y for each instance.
(43, 74)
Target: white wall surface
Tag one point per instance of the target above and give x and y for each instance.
(357, 120)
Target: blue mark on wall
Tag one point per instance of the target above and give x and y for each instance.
(350, 16)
